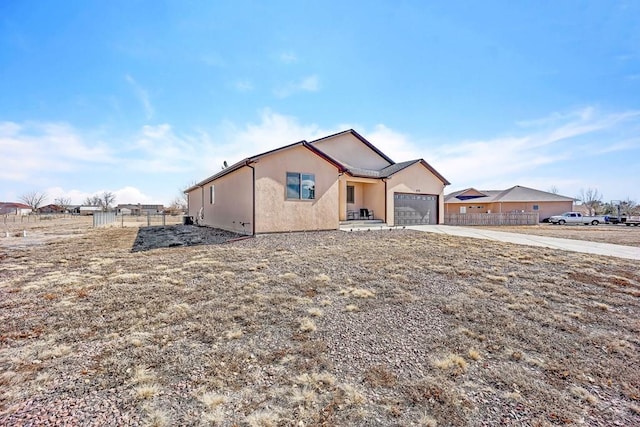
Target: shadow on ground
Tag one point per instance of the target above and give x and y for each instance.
(156, 237)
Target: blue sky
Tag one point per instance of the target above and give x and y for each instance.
(142, 98)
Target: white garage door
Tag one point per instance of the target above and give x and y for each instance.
(415, 209)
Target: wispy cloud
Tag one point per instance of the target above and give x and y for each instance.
(35, 150)
(288, 57)
(243, 85)
(306, 84)
(142, 96)
(556, 139)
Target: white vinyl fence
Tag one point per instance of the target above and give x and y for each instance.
(513, 218)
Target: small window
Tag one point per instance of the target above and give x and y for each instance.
(301, 186)
(212, 194)
(536, 207)
(351, 194)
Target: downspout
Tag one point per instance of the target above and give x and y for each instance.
(253, 182)
(385, 200)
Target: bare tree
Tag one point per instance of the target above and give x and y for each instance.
(107, 199)
(94, 200)
(591, 198)
(628, 206)
(177, 206)
(33, 199)
(553, 189)
(63, 202)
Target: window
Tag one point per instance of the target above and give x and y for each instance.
(301, 186)
(536, 207)
(212, 194)
(351, 194)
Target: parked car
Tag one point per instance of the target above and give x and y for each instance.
(577, 218)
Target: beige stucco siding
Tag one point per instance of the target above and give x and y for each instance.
(276, 213)
(232, 204)
(416, 179)
(368, 193)
(351, 152)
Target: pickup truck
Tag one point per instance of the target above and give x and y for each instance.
(576, 218)
(626, 220)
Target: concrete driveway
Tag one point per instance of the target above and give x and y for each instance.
(607, 249)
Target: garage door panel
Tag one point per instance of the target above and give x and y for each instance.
(415, 209)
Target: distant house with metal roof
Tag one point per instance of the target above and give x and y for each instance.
(514, 199)
(14, 208)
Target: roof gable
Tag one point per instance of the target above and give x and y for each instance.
(353, 150)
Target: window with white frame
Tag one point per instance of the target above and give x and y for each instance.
(212, 194)
(536, 207)
(301, 186)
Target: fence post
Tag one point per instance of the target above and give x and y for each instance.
(148, 219)
(164, 221)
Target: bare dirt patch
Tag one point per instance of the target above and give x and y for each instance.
(374, 328)
(615, 234)
(156, 237)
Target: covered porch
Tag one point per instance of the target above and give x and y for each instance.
(361, 199)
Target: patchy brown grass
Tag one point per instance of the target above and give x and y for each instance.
(615, 234)
(446, 331)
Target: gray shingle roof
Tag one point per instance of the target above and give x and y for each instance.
(516, 193)
(382, 173)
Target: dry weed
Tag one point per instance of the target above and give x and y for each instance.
(584, 395)
(350, 396)
(322, 278)
(474, 354)
(157, 418)
(427, 421)
(234, 334)
(212, 400)
(142, 374)
(452, 362)
(263, 418)
(307, 325)
(315, 312)
(147, 391)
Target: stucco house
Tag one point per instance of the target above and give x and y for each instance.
(514, 199)
(14, 208)
(315, 186)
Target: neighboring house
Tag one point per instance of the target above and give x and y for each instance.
(316, 185)
(50, 209)
(514, 199)
(139, 209)
(88, 210)
(13, 208)
(582, 208)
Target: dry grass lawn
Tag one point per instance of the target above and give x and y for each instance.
(616, 234)
(372, 328)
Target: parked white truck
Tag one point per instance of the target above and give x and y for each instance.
(577, 218)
